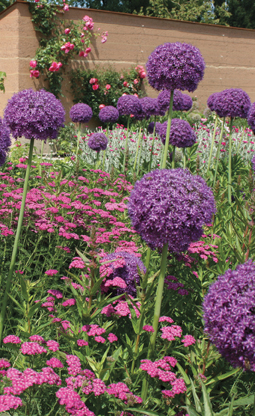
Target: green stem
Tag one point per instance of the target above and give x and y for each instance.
(139, 156)
(78, 140)
(158, 300)
(170, 111)
(16, 241)
(229, 160)
(218, 152)
(184, 158)
(152, 146)
(40, 167)
(212, 144)
(241, 141)
(103, 160)
(173, 157)
(137, 147)
(126, 146)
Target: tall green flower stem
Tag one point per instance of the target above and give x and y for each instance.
(126, 146)
(78, 140)
(16, 242)
(140, 152)
(152, 146)
(173, 157)
(184, 158)
(40, 167)
(218, 153)
(229, 161)
(137, 147)
(170, 113)
(212, 144)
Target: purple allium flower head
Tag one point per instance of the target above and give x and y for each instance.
(128, 272)
(170, 206)
(98, 141)
(233, 102)
(211, 99)
(5, 141)
(149, 106)
(251, 117)
(151, 127)
(34, 114)
(178, 102)
(187, 102)
(109, 114)
(229, 315)
(175, 66)
(81, 113)
(128, 104)
(181, 133)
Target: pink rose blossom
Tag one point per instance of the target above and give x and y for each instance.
(67, 31)
(33, 63)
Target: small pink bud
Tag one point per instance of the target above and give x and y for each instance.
(107, 86)
(101, 106)
(88, 50)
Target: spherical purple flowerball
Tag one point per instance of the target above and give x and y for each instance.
(128, 104)
(98, 141)
(151, 127)
(109, 114)
(211, 99)
(170, 206)
(175, 66)
(233, 102)
(128, 271)
(5, 141)
(180, 102)
(149, 106)
(34, 114)
(81, 113)
(251, 117)
(187, 102)
(229, 315)
(181, 133)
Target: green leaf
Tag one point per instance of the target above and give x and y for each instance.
(196, 399)
(33, 309)
(23, 288)
(223, 376)
(144, 412)
(207, 402)
(184, 375)
(191, 411)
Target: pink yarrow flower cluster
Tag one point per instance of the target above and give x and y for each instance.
(188, 340)
(32, 348)
(170, 332)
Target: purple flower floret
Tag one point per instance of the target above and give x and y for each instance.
(129, 104)
(109, 114)
(128, 272)
(233, 102)
(81, 113)
(251, 117)
(211, 99)
(34, 114)
(175, 66)
(98, 141)
(181, 133)
(253, 163)
(170, 206)
(5, 141)
(229, 308)
(151, 127)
